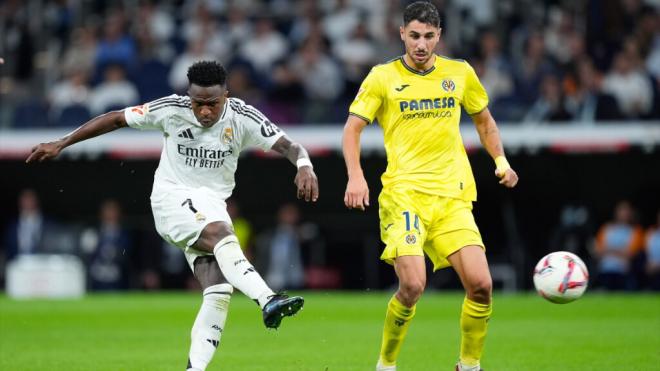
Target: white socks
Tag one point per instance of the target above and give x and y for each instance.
(381, 367)
(462, 367)
(208, 327)
(239, 272)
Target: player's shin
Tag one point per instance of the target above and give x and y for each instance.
(239, 272)
(474, 324)
(208, 326)
(397, 321)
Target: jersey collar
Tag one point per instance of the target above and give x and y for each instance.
(421, 73)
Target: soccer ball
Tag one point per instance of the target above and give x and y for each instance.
(561, 277)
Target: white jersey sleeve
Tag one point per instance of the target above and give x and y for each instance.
(258, 131)
(154, 115)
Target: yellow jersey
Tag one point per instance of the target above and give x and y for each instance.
(420, 114)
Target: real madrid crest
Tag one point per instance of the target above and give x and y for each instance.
(227, 136)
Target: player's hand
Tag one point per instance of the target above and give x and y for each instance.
(508, 177)
(357, 193)
(307, 183)
(45, 151)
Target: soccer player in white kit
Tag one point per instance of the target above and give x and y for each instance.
(203, 134)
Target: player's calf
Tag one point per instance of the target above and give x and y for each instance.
(208, 326)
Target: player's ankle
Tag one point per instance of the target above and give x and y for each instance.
(385, 366)
(467, 367)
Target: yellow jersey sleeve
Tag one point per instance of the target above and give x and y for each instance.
(475, 98)
(368, 99)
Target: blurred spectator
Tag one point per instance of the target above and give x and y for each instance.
(159, 23)
(115, 92)
(530, 70)
(116, 46)
(357, 54)
(321, 79)
(238, 24)
(617, 243)
(81, 53)
(264, 47)
(630, 86)
(284, 94)
(550, 105)
(495, 74)
(73, 90)
(653, 254)
(588, 102)
(204, 28)
(341, 21)
(195, 51)
(241, 84)
(279, 250)
(27, 233)
(107, 248)
(306, 23)
(563, 42)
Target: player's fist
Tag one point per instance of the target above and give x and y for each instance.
(357, 193)
(307, 184)
(44, 151)
(508, 177)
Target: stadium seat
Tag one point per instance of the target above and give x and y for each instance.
(30, 114)
(151, 80)
(72, 116)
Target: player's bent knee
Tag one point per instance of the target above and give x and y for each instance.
(481, 290)
(411, 291)
(212, 234)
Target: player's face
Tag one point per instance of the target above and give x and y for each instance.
(420, 40)
(207, 103)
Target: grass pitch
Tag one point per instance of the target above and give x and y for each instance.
(335, 331)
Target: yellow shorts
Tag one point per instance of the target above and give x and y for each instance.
(414, 223)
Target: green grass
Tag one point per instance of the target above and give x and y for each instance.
(336, 331)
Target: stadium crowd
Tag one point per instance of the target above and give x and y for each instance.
(301, 61)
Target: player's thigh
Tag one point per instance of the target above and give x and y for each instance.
(181, 215)
(411, 271)
(453, 228)
(471, 265)
(402, 223)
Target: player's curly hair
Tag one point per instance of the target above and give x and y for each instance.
(422, 11)
(207, 73)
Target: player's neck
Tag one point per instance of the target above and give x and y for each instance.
(421, 68)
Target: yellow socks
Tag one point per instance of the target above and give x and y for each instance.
(397, 321)
(474, 323)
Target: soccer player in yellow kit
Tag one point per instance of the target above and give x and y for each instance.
(428, 187)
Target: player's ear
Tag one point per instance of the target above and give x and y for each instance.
(402, 33)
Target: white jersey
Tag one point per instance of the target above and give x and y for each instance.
(199, 157)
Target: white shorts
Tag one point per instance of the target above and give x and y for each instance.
(181, 213)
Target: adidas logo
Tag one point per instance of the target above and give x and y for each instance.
(186, 134)
(215, 343)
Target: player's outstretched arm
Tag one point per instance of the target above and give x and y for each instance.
(357, 190)
(306, 180)
(489, 135)
(92, 128)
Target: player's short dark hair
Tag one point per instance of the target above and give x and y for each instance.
(422, 11)
(207, 73)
